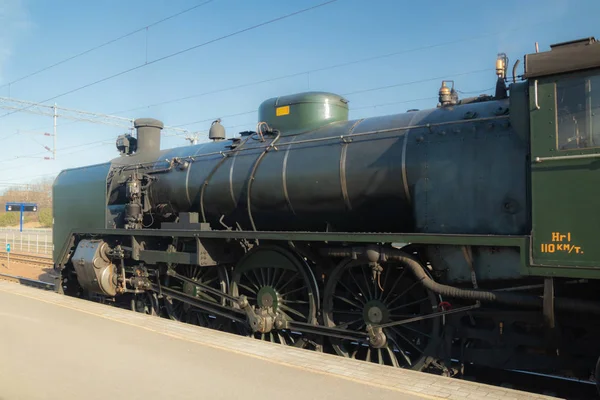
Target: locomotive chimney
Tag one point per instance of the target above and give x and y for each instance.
(148, 134)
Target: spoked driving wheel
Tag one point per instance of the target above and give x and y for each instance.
(215, 277)
(356, 295)
(279, 284)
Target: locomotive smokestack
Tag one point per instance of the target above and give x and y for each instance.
(148, 134)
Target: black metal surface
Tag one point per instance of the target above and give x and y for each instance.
(569, 57)
(281, 190)
(155, 256)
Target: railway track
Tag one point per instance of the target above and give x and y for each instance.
(29, 258)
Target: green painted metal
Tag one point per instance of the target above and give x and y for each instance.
(519, 105)
(303, 112)
(78, 203)
(565, 189)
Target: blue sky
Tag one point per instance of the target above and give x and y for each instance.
(447, 39)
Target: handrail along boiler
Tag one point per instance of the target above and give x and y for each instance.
(464, 232)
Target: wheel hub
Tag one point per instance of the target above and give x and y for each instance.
(375, 312)
(267, 297)
(190, 289)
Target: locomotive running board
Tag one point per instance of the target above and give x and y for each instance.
(354, 237)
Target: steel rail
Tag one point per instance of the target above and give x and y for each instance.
(44, 260)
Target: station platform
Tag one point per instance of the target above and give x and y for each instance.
(56, 347)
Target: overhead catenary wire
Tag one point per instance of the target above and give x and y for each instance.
(177, 53)
(355, 92)
(93, 144)
(73, 114)
(395, 85)
(338, 65)
(329, 67)
(8, 136)
(273, 79)
(316, 70)
(38, 154)
(104, 44)
(7, 182)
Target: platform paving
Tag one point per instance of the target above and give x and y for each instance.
(53, 346)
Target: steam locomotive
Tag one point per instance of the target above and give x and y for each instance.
(430, 239)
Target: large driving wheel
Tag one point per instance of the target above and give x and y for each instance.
(275, 278)
(356, 297)
(215, 277)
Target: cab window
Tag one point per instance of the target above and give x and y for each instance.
(578, 112)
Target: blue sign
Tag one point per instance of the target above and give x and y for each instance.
(8, 247)
(21, 207)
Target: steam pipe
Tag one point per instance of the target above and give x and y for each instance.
(376, 254)
(515, 70)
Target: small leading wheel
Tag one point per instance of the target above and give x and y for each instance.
(355, 297)
(274, 278)
(145, 303)
(215, 277)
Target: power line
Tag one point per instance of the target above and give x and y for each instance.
(277, 78)
(35, 155)
(393, 103)
(104, 142)
(69, 113)
(8, 136)
(352, 93)
(353, 109)
(176, 127)
(339, 65)
(105, 44)
(179, 53)
(414, 82)
(212, 119)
